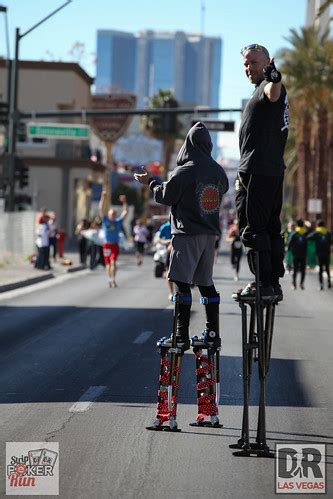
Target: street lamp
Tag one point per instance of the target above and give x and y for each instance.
(14, 114)
(4, 10)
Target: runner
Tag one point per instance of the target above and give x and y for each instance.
(112, 226)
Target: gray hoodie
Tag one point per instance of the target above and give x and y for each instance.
(195, 188)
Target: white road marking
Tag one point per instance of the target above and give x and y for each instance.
(143, 337)
(87, 399)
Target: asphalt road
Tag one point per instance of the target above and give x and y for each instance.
(79, 367)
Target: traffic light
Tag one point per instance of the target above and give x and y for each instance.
(170, 119)
(21, 172)
(21, 132)
(4, 113)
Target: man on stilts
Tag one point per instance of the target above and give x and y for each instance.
(194, 192)
(259, 189)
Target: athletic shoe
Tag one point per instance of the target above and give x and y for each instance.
(266, 292)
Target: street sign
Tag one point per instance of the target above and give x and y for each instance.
(110, 128)
(315, 205)
(217, 125)
(63, 131)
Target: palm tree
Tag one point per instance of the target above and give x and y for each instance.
(308, 74)
(165, 127)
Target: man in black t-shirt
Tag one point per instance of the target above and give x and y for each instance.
(262, 139)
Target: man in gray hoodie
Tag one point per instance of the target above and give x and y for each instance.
(194, 192)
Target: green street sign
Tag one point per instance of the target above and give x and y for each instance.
(63, 131)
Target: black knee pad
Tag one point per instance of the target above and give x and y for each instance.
(208, 290)
(182, 288)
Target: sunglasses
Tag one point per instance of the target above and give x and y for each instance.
(255, 46)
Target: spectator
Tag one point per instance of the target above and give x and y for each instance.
(298, 246)
(43, 244)
(96, 250)
(323, 240)
(53, 231)
(83, 242)
(164, 237)
(236, 248)
(140, 234)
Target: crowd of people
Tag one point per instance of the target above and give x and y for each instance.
(307, 247)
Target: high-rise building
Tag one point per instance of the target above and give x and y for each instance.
(116, 61)
(187, 64)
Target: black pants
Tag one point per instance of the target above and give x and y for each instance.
(53, 244)
(258, 205)
(324, 265)
(235, 259)
(299, 265)
(42, 261)
(83, 250)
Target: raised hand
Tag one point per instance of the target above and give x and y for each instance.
(271, 74)
(144, 177)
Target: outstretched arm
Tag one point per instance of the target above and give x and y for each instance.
(102, 204)
(123, 200)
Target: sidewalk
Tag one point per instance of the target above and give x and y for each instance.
(18, 273)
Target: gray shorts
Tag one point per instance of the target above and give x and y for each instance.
(192, 259)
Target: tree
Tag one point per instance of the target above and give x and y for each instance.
(308, 74)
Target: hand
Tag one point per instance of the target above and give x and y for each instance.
(122, 198)
(271, 74)
(143, 178)
(104, 194)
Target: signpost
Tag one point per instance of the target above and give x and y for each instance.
(110, 128)
(315, 206)
(62, 131)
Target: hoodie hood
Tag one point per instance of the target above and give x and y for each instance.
(197, 147)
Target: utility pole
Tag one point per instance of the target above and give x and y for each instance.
(14, 113)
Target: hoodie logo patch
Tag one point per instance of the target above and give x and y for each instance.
(209, 199)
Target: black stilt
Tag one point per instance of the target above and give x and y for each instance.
(256, 345)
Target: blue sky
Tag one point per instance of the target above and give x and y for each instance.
(238, 22)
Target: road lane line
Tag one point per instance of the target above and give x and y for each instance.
(143, 337)
(87, 399)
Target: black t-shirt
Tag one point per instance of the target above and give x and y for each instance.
(263, 133)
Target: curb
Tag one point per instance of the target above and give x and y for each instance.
(35, 280)
(26, 282)
(76, 268)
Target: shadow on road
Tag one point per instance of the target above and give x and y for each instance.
(54, 354)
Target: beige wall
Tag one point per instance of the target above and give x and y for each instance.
(44, 187)
(43, 89)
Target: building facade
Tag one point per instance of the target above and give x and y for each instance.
(61, 172)
(187, 64)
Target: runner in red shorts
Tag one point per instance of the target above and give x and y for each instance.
(112, 226)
